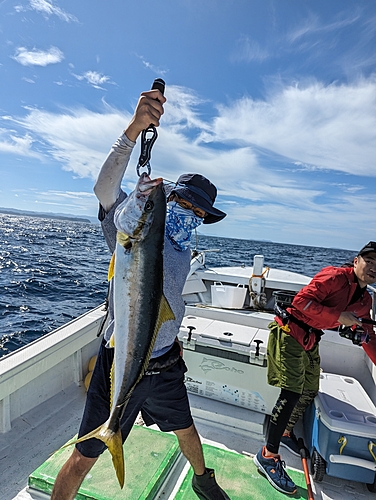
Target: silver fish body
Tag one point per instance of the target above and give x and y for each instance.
(140, 307)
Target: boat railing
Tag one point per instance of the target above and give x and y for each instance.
(50, 364)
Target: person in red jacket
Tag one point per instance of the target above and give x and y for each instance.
(335, 297)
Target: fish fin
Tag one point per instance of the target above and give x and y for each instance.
(114, 443)
(115, 446)
(123, 239)
(112, 372)
(112, 341)
(112, 383)
(111, 268)
(165, 313)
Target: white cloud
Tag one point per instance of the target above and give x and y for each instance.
(76, 201)
(28, 80)
(93, 78)
(155, 69)
(318, 128)
(332, 127)
(70, 202)
(17, 145)
(78, 139)
(313, 26)
(276, 166)
(38, 57)
(72, 195)
(249, 50)
(49, 9)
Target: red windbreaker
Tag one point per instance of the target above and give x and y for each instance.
(320, 303)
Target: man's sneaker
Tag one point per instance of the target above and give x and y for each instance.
(273, 468)
(206, 487)
(289, 441)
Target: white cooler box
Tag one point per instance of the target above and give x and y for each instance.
(225, 364)
(340, 428)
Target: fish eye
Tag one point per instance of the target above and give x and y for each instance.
(149, 205)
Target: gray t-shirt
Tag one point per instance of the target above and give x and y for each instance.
(176, 267)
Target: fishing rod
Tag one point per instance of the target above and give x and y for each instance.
(367, 321)
(303, 455)
(148, 142)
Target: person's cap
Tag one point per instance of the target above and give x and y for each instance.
(199, 191)
(370, 247)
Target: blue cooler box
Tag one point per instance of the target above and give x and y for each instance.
(340, 428)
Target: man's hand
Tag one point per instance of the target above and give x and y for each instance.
(148, 111)
(348, 319)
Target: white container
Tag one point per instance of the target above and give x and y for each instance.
(225, 364)
(228, 297)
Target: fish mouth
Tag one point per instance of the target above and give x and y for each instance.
(146, 184)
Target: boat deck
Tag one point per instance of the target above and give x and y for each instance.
(231, 433)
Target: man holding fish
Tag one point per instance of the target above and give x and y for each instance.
(139, 366)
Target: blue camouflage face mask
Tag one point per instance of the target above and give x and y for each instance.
(180, 222)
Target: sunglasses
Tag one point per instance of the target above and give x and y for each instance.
(188, 206)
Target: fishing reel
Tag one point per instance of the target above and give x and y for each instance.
(281, 313)
(354, 333)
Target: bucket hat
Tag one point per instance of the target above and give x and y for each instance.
(199, 191)
(370, 247)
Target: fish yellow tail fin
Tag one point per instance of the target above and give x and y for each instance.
(114, 443)
(115, 446)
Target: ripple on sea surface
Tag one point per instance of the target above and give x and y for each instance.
(54, 270)
(51, 272)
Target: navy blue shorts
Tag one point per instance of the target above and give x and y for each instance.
(162, 398)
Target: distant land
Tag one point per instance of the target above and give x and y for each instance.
(50, 215)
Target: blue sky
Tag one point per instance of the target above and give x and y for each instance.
(274, 101)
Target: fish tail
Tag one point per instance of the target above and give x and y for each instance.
(114, 443)
(115, 446)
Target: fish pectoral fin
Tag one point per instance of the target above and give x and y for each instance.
(123, 239)
(165, 313)
(111, 268)
(114, 443)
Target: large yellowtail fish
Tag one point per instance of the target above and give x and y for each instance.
(140, 307)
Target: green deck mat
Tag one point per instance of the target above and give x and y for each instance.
(239, 477)
(148, 454)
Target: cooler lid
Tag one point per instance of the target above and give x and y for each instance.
(343, 406)
(229, 335)
(219, 330)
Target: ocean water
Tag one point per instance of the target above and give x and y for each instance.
(52, 271)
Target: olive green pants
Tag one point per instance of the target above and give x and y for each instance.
(291, 367)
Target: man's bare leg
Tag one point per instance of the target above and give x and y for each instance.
(204, 483)
(71, 476)
(190, 445)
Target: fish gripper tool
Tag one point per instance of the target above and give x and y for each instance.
(148, 142)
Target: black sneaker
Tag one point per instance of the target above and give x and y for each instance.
(289, 441)
(206, 487)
